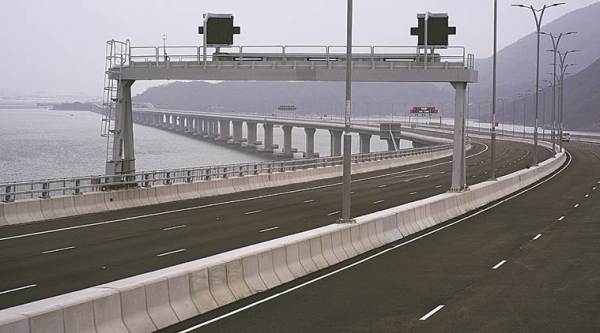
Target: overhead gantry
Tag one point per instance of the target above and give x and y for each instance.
(279, 63)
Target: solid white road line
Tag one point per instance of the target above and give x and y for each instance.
(215, 204)
(308, 201)
(561, 218)
(269, 229)
(537, 236)
(499, 264)
(17, 289)
(253, 212)
(378, 202)
(170, 252)
(175, 227)
(432, 312)
(333, 213)
(380, 253)
(576, 206)
(58, 250)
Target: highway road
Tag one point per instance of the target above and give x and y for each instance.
(45, 259)
(528, 263)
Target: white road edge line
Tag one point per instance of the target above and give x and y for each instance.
(17, 289)
(382, 252)
(253, 212)
(174, 227)
(58, 250)
(215, 204)
(432, 312)
(333, 213)
(561, 218)
(269, 229)
(537, 236)
(499, 264)
(170, 252)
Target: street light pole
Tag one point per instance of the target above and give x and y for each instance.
(347, 168)
(538, 24)
(555, 43)
(493, 132)
(563, 69)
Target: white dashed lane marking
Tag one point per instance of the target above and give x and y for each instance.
(170, 252)
(432, 312)
(253, 212)
(499, 264)
(174, 227)
(537, 236)
(58, 250)
(333, 213)
(269, 229)
(378, 202)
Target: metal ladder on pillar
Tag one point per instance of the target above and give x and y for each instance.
(117, 54)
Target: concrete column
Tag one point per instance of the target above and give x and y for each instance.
(237, 132)
(459, 174)
(215, 128)
(251, 133)
(335, 146)
(189, 124)
(365, 143)
(310, 141)
(287, 139)
(123, 155)
(268, 144)
(224, 130)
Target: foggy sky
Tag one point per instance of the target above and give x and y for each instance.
(57, 47)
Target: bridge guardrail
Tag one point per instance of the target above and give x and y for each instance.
(47, 188)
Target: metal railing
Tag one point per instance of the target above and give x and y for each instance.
(375, 56)
(48, 188)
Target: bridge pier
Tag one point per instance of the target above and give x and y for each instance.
(287, 140)
(365, 143)
(237, 132)
(335, 146)
(224, 130)
(189, 122)
(459, 168)
(122, 160)
(252, 133)
(268, 141)
(310, 141)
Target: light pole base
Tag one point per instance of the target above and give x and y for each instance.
(459, 190)
(345, 221)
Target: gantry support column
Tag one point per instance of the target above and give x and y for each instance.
(123, 156)
(335, 146)
(268, 144)
(392, 144)
(287, 139)
(237, 132)
(252, 133)
(365, 143)
(310, 141)
(459, 170)
(224, 130)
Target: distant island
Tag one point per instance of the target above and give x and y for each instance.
(77, 106)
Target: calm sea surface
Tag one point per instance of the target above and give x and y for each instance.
(38, 144)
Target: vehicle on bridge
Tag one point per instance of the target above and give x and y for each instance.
(566, 137)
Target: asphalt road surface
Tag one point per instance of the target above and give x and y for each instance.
(528, 263)
(40, 260)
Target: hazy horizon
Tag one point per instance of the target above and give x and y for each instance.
(57, 48)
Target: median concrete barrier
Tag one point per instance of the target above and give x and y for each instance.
(251, 274)
(108, 313)
(200, 290)
(266, 269)
(235, 279)
(180, 296)
(159, 306)
(135, 310)
(219, 287)
(280, 265)
(292, 256)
